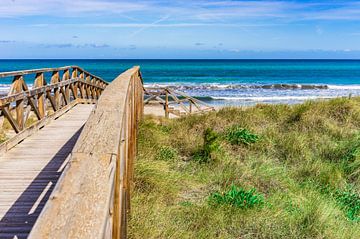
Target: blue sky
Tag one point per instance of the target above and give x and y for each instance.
(179, 29)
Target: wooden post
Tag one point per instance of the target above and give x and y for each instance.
(166, 104)
(119, 217)
(39, 82)
(18, 88)
(82, 87)
(65, 93)
(87, 87)
(56, 79)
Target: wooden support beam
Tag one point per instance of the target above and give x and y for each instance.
(66, 89)
(10, 118)
(40, 82)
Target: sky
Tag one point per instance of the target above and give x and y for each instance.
(187, 29)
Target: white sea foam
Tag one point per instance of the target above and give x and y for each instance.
(270, 98)
(5, 88)
(344, 87)
(219, 86)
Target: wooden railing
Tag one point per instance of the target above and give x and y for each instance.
(65, 86)
(92, 197)
(171, 98)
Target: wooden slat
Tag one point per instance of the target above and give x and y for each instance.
(28, 169)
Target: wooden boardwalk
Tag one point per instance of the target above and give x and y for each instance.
(68, 171)
(29, 171)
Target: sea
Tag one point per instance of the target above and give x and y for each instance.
(225, 82)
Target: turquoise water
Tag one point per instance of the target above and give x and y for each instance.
(227, 81)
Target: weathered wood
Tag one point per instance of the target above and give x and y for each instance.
(184, 102)
(39, 82)
(7, 145)
(166, 104)
(34, 71)
(91, 199)
(30, 170)
(10, 118)
(36, 98)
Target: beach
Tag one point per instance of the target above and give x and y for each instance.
(228, 119)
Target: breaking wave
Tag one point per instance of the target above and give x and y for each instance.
(214, 86)
(272, 98)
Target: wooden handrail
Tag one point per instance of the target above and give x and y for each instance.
(67, 84)
(92, 197)
(44, 70)
(188, 104)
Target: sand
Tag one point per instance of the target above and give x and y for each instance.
(156, 110)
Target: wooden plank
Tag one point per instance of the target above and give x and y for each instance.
(5, 146)
(25, 178)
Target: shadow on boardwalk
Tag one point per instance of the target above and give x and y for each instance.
(21, 217)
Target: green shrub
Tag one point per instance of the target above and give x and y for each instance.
(237, 197)
(349, 200)
(166, 153)
(210, 147)
(237, 135)
(210, 142)
(352, 149)
(349, 155)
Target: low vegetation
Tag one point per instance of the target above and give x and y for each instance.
(237, 197)
(269, 171)
(238, 135)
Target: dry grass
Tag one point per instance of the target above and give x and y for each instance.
(305, 155)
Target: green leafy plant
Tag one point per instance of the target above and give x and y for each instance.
(349, 200)
(237, 135)
(237, 197)
(210, 147)
(166, 153)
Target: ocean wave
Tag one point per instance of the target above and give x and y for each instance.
(4, 88)
(214, 86)
(270, 98)
(344, 87)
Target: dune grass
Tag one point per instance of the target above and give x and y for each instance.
(269, 171)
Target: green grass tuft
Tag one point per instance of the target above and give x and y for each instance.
(210, 147)
(237, 135)
(349, 201)
(167, 153)
(237, 197)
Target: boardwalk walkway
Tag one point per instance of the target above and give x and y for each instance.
(29, 171)
(67, 170)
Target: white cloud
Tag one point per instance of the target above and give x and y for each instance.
(16, 8)
(161, 25)
(201, 10)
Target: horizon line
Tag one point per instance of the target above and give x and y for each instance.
(185, 59)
